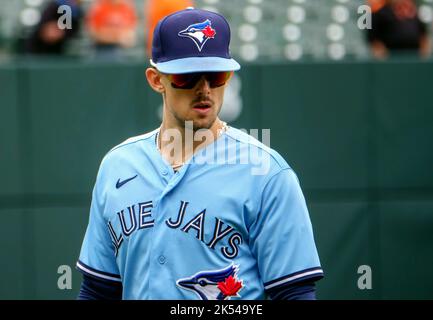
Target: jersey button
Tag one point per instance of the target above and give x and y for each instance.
(162, 259)
(164, 172)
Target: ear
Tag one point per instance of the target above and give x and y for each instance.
(154, 79)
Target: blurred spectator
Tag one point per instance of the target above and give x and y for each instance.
(50, 38)
(396, 28)
(158, 9)
(112, 26)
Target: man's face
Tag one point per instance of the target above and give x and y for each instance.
(201, 104)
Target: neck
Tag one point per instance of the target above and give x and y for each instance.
(177, 144)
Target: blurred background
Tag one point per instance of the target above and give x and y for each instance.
(349, 107)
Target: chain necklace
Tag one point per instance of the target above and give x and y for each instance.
(175, 166)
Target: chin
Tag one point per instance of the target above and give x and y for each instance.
(202, 124)
(198, 121)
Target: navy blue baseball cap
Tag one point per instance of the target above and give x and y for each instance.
(192, 40)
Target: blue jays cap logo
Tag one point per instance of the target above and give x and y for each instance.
(200, 33)
(214, 285)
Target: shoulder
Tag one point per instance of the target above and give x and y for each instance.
(258, 151)
(129, 149)
(134, 140)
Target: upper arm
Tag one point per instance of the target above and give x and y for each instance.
(282, 236)
(97, 256)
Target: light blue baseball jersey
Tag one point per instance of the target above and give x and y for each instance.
(212, 230)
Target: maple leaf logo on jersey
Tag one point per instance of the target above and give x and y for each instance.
(230, 286)
(200, 33)
(214, 285)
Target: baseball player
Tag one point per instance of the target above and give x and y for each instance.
(167, 220)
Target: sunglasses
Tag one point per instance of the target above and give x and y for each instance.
(189, 80)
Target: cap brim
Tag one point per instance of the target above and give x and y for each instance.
(197, 64)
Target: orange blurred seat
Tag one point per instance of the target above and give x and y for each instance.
(158, 9)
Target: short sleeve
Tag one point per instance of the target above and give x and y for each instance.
(281, 237)
(97, 256)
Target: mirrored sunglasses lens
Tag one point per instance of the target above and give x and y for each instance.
(217, 79)
(186, 80)
(189, 80)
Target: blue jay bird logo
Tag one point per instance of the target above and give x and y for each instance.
(200, 33)
(214, 285)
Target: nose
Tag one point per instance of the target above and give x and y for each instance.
(203, 86)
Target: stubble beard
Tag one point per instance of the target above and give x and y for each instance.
(196, 124)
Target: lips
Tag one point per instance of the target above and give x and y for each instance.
(202, 105)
